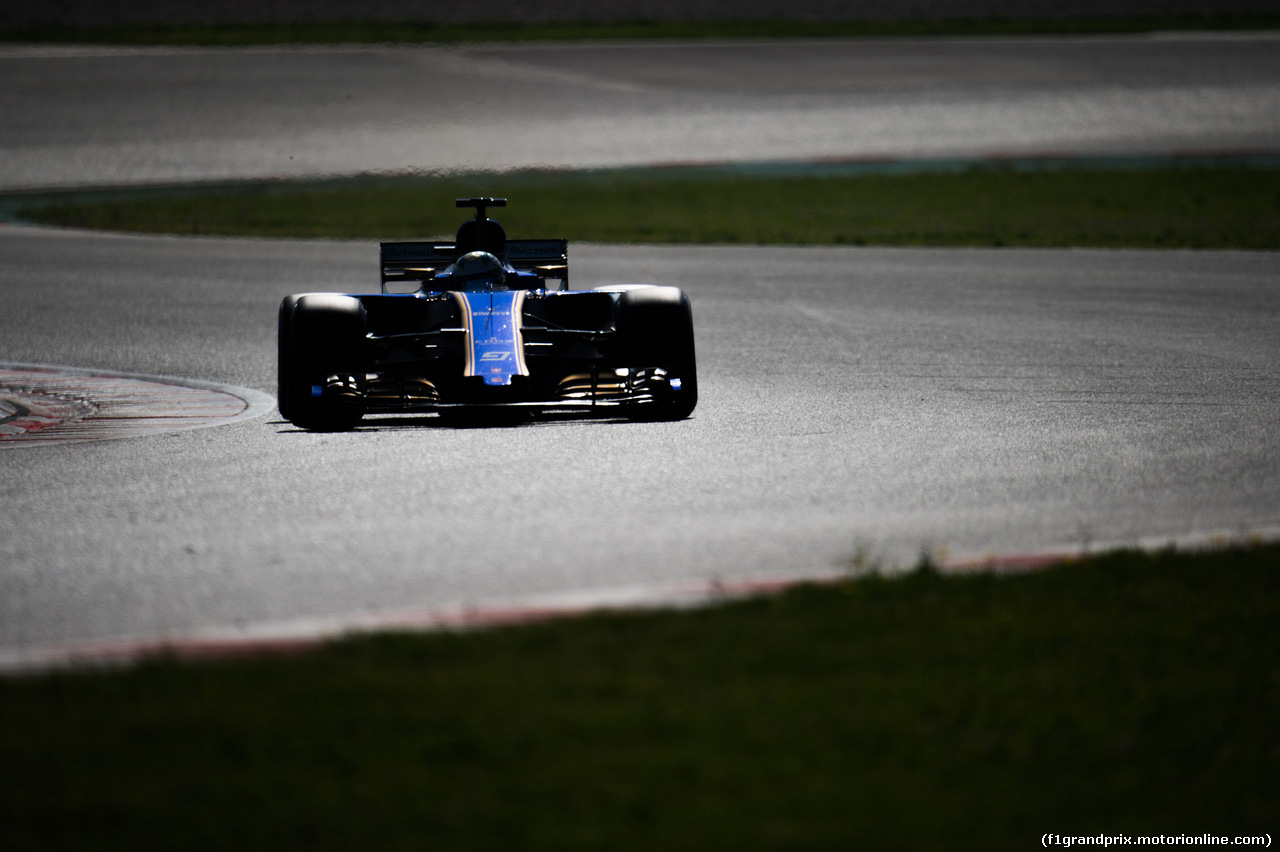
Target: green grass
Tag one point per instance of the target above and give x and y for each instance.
(1191, 207)
(419, 32)
(1129, 693)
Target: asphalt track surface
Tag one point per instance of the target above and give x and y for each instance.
(888, 400)
(75, 116)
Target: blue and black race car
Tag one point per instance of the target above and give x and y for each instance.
(485, 323)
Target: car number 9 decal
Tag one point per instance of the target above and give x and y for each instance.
(495, 344)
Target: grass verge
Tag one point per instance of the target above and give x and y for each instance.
(1130, 693)
(1174, 207)
(427, 32)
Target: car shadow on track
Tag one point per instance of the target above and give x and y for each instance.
(486, 420)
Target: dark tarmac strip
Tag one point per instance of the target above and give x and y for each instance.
(101, 116)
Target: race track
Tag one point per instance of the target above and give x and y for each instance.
(76, 116)
(981, 400)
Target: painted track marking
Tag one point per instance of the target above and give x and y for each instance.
(41, 404)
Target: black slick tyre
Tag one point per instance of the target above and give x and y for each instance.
(655, 329)
(320, 335)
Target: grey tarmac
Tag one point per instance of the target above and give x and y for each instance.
(884, 399)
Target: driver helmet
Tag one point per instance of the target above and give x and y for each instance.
(478, 268)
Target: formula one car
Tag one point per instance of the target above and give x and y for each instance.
(481, 324)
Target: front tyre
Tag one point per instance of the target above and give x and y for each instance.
(321, 336)
(655, 329)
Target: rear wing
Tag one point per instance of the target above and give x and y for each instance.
(417, 262)
(548, 259)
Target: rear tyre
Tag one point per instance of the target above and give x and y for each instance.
(321, 335)
(655, 329)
